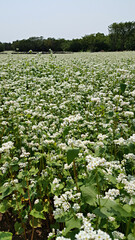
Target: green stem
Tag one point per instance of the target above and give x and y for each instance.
(134, 230)
(98, 188)
(32, 236)
(75, 175)
(19, 212)
(129, 221)
(128, 225)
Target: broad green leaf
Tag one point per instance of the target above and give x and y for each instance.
(71, 224)
(6, 235)
(39, 206)
(34, 170)
(127, 208)
(111, 113)
(18, 206)
(35, 223)
(113, 208)
(18, 228)
(23, 174)
(89, 194)
(37, 214)
(123, 87)
(19, 188)
(99, 213)
(106, 211)
(112, 179)
(72, 154)
(7, 192)
(71, 234)
(131, 237)
(65, 132)
(4, 206)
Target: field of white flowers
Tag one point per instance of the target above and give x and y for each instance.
(67, 146)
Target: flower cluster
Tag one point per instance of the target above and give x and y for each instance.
(94, 162)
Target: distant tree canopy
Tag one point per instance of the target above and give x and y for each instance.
(121, 37)
(1, 47)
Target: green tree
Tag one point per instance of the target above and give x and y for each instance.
(1, 47)
(122, 36)
(88, 42)
(100, 43)
(75, 45)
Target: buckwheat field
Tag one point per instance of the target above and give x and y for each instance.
(67, 146)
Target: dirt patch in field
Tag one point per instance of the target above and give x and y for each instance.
(7, 225)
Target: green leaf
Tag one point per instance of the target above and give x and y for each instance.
(4, 206)
(71, 235)
(89, 194)
(39, 206)
(123, 87)
(71, 224)
(112, 208)
(131, 237)
(22, 175)
(112, 179)
(34, 170)
(19, 188)
(35, 223)
(7, 192)
(66, 130)
(18, 228)
(6, 235)
(72, 154)
(99, 213)
(133, 200)
(111, 113)
(127, 208)
(37, 214)
(18, 206)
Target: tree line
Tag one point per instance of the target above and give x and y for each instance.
(121, 37)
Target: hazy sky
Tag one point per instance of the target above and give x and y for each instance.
(21, 19)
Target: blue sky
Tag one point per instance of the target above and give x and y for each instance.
(21, 19)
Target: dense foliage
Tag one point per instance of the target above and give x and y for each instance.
(67, 146)
(121, 37)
